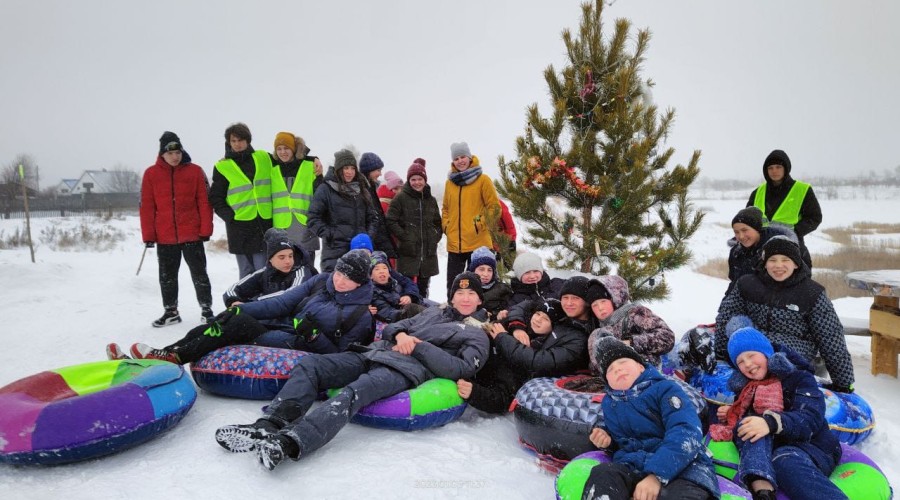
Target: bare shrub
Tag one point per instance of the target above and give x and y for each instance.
(717, 268)
(87, 235)
(17, 238)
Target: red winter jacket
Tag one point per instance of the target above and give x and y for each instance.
(174, 204)
(506, 224)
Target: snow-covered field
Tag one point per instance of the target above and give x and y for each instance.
(66, 307)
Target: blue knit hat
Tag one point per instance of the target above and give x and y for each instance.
(748, 339)
(483, 256)
(380, 257)
(362, 242)
(370, 162)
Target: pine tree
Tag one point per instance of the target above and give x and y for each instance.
(591, 181)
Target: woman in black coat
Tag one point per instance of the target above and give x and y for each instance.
(340, 209)
(415, 220)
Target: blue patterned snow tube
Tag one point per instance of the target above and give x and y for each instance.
(245, 371)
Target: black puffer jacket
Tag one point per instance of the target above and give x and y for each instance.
(336, 216)
(810, 211)
(415, 220)
(381, 239)
(795, 313)
(544, 289)
(244, 237)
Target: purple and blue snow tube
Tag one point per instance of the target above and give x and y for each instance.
(90, 410)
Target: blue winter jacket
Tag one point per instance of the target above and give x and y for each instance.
(802, 423)
(269, 282)
(656, 430)
(326, 308)
(386, 298)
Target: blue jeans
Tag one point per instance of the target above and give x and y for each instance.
(247, 263)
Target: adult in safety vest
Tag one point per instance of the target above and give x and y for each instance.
(241, 195)
(295, 177)
(787, 201)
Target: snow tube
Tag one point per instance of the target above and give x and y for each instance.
(432, 404)
(245, 371)
(849, 416)
(856, 474)
(554, 421)
(573, 477)
(86, 411)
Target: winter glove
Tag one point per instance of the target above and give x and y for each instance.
(837, 388)
(204, 238)
(700, 351)
(512, 246)
(149, 244)
(306, 328)
(217, 322)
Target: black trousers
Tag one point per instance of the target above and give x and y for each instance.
(616, 481)
(456, 263)
(169, 257)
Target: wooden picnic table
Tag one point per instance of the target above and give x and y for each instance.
(884, 316)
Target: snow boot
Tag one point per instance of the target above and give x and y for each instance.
(169, 317)
(272, 450)
(244, 438)
(143, 351)
(206, 314)
(114, 351)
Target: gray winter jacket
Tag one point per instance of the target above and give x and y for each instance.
(454, 346)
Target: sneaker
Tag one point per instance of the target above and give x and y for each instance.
(243, 438)
(114, 351)
(270, 451)
(143, 351)
(206, 315)
(170, 317)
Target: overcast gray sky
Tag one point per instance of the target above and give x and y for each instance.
(92, 84)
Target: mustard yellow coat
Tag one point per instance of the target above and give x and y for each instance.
(464, 213)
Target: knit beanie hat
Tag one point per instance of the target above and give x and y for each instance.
(458, 149)
(354, 265)
(370, 162)
(392, 180)
(380, 257)
(748, 339)
(466, 281)
(343, 158)
(417, 169)
(577, 286)
(777, 157)
(552, 308)
(169, 141)
(276, 241)
(596, 291)
(527, 261)
(752, 216)
(609, 349)
(362, 241)
(286, 139)
(782, 245)
(483, 256)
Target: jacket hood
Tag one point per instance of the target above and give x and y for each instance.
(777, 157)
(617, 288)
(644, 380)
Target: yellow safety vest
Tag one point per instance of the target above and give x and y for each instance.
(296, 202)
(788, 212)
(249, 200)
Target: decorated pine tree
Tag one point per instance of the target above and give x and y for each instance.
(592, 181)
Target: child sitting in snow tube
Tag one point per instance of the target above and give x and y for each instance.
(777, 422)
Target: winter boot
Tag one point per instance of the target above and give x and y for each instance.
(272, 450)
(206, 314)
(114, 351)
(170, 317)
(244, 438)
(143, 351)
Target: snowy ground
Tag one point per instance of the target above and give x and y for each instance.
(64, 309)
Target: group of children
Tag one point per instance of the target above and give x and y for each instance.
(491, 337)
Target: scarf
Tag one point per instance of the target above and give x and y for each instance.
(351, 189)
(465, 177)
(617, 316)
(762, 395)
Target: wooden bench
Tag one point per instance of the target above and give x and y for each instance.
(884, 316)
